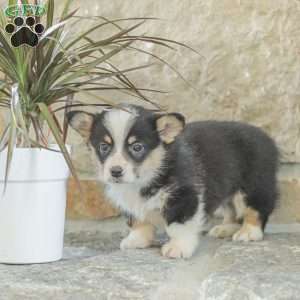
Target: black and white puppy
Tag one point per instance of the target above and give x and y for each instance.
(161, 171)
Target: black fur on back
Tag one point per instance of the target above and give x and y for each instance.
(210, 161)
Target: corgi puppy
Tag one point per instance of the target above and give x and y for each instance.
(165, 172)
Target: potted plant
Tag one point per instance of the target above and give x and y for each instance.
(37, 87)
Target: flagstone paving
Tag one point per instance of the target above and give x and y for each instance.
(93, 268)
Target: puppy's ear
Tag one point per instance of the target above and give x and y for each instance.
(169, 126)
(81, 121)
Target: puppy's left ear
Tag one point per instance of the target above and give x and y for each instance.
(169, 126)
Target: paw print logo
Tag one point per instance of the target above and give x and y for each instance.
(24, 31)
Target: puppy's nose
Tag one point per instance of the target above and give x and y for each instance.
(116, 171)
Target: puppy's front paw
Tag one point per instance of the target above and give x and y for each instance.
(249, 233)
(135, 240)
(224, 230)
(177, 249)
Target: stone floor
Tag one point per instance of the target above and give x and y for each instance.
(94, 268)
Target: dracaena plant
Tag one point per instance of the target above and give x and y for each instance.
(37, 83)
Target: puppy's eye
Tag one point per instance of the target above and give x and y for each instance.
(104, 148)
(137, 147)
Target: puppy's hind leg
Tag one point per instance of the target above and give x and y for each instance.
(252, 227)
(260, 204)
(229, 225)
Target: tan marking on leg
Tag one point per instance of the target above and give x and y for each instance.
(251, 229)
(252, 217)
(140, 236)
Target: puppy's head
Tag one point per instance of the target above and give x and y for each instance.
(130, 142)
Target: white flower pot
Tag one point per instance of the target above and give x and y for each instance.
(32, 210)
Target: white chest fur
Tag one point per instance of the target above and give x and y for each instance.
(127, 197)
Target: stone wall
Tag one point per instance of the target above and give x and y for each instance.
(249, 68)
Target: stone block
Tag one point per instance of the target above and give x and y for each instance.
(94, 267)
(248, 68)
(288, 208)
(92, 204)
